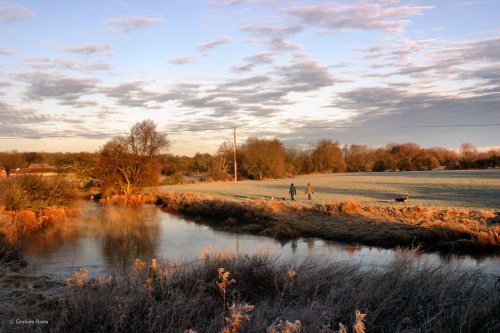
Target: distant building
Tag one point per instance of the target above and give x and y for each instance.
(38, 169)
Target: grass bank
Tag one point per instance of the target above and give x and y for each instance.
(257, 295)
(458, 231)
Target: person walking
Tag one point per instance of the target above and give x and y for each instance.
(309, 191)
(292, 192)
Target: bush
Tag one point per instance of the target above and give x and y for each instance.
(176, 178)
(35, 192)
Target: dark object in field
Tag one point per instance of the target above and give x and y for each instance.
(402, 199)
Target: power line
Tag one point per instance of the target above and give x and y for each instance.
(178, 130)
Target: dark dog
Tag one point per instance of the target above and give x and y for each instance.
(403, 199)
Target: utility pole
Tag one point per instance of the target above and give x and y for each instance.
(234, 150)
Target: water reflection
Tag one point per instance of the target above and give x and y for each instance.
(104, 238)
(128, 233)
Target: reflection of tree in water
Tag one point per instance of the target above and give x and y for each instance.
(129, 233)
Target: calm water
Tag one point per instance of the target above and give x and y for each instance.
(105, 238)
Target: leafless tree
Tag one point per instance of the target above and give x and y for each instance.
(128, 164)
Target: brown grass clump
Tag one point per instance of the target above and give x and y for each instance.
(16, 225)
(78, 279)
(129, 200)
(274, 206)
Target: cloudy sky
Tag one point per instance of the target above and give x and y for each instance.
(75, 73)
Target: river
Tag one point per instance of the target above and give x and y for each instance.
(104, 238)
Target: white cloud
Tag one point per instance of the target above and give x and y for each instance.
(203, 47)
(387, 16)
(129, 23)
(91, 49)
(182, 60)
(11, 12)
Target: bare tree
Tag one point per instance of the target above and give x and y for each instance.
(128, 164)
(145, 141)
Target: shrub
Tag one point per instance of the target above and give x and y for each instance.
(35, 192)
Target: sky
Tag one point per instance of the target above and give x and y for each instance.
(74, 74)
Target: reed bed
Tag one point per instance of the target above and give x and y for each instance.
(229, 293)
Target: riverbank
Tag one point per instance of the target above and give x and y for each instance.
(454, 231)
(317, 296)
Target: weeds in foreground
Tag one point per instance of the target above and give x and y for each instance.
(78, 279)
(239, 315)
(400, 297)
(286, 327)
(223, 283)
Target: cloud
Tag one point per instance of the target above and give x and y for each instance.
(245, 82)
(204, 47)
(400, 50)
(54, 86)
(260, 58)
(387, 16)
(265, 58)
(273, 31)
(91, 49)
(275, 35)
(46, 63)
(280, 44)
(305, 75)
(182, 60)
(5, 52)
(127, 24)
(130, 94)
(11, 12)
(389, 106)
(235, 2)
(12, 115)
(242, 68)
(19, 122)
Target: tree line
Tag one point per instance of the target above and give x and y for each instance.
(128, 163)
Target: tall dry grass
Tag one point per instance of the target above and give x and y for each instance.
(185, 297)
(35, 192)
(129, 200)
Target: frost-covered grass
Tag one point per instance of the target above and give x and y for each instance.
(315, 296)
(475, 189)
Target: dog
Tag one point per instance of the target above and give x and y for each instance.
(403, 199)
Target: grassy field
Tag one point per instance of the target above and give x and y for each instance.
(475, 189)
